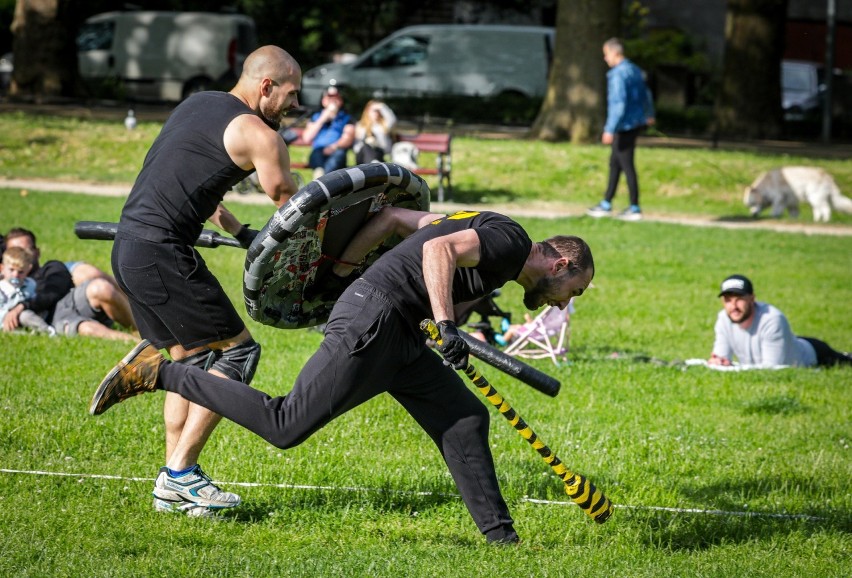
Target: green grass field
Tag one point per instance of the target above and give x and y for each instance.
(673, 180)
(712, 473)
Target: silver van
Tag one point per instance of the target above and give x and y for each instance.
(444, 59)
(164, 55)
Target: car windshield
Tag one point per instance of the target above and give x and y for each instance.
(96, 36)
(799, 78)
(401, 51)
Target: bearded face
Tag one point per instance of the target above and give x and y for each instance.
(536, 297)
(271, 114)
(557, 289)
(739, 308)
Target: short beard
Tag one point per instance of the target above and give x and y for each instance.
(273, 124)
(533, 297)
(748, 310)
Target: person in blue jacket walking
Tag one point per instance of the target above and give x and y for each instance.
(629, 110)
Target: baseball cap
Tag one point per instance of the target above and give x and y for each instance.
(736, 285)
(332, 91)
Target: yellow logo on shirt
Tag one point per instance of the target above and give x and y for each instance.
(458, 216)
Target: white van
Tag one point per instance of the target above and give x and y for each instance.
(444, 59)
(164, 55)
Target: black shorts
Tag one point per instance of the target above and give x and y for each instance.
(173, 296)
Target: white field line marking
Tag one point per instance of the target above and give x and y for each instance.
(414, 493)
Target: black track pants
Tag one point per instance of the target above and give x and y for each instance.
(368, 349)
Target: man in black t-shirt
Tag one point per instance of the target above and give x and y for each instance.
(373, 343)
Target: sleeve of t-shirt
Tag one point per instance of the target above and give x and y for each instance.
(772, 332)
(503, 246)
(722, 345)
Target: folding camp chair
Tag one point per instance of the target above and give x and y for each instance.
(545, 336)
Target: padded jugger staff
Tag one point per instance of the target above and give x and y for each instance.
(581, 491)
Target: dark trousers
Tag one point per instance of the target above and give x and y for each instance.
(368, 349)
(621, 160)
(826, 355)
(369, 154)
(332, 162)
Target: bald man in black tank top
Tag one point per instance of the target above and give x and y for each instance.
(210, 142)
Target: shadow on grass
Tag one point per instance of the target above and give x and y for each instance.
(734, 494)
(697, 531)
(728, 519)
(775, 405)
(42, 140)
(738, 219)
(608, 353)
(477, 196)
(380, 500)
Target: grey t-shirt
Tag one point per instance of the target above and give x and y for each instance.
(768, 342)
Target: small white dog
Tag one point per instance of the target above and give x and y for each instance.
(786, 187)
(405, 155)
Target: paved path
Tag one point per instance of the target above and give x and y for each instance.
(541, 210)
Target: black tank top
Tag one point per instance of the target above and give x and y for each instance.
(186, 172)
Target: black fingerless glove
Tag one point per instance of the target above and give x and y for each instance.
(454, 349)
(246, 236)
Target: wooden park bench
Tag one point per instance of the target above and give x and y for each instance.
(437, 143)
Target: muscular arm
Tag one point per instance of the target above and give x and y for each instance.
(387, 222)
(225, 220)
(252, 144)
(441, 257)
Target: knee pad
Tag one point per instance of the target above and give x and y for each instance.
(239, 362)
(202, 359)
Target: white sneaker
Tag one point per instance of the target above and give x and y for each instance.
(194, 486)
(191, 509)
(630, 214)
(599, 211)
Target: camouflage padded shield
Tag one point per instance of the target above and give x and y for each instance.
(305, 235)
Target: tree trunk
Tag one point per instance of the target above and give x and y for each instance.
(575, 104)
(45, 53)
(749, 101)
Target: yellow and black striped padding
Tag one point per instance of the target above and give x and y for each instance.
(581, 491)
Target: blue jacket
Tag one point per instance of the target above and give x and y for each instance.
(330, 132)
(629, 102)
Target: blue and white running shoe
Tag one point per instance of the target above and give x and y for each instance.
(194, 486)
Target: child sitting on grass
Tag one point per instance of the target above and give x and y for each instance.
(16, 286)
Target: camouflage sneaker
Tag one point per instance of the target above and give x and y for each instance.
(135, 374)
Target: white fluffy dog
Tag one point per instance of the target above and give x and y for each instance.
(786, 187)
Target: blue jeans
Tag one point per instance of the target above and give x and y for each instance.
(332, 162)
